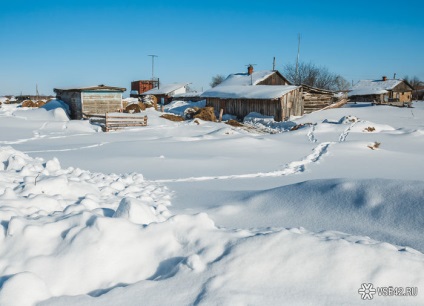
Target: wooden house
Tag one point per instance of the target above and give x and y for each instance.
(384, 91)
(94, 100)
(165, 93)
(280, 101)
(316, 98)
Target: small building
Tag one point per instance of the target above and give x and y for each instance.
(138, 87)
(165, 93)
(280, 101)
(317, 98)
(251, 77)
(93, 100)
(384, 91)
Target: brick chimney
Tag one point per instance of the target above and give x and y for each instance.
(384, 78)
(249, 69)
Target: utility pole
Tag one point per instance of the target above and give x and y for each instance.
(153, 65)
(36, 90)
(297, 59)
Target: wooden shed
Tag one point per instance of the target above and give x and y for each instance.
(316, 98)
(94, 100)
(280, 101)
(383, 91)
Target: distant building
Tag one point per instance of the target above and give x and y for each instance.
(383, 91)
(93, 100)
(22, 98)
(166, 92)
(141, 86)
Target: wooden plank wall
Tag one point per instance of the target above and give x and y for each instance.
(316, 101)
(101, 102)
(280, 109)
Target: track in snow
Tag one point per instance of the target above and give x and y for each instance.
(290, 168)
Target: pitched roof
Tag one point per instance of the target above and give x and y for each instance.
(268, 92)
(373, 87)
(164, 89)
(92, 88)
(246, 79)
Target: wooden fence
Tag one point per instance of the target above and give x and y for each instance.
(113, 122)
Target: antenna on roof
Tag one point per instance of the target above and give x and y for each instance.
(394, 76)
(153, 65)
(273, 64)
(297, 59)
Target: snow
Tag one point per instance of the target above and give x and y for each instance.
(167, 89)
(244, 79)
(248, 92)
(209, 214)
(179, 107)
(373, 87)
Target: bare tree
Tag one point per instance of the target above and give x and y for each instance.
(216, 80)
(414, 82)
(312, 75)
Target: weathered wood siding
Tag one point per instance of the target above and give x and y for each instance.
(274, 79)
(101, 102)
(316, 101)
(73, 100)
(281, 109)
(402, 92)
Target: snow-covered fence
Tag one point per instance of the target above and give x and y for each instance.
(114, 121)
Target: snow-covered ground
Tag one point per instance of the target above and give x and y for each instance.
(202, 213)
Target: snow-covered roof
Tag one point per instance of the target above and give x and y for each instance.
(188, 94)
(373, 87)
(92, 88)
(248, 92)
(246, 79)
(165, 89)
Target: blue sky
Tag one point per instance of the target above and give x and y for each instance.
(82, 43)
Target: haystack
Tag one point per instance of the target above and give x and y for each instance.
(132, 108)
(206, 113)
(142, 106)
(172, 117)
(233, 122)
(39, 103)
(28, 103)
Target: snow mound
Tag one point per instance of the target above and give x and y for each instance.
(70, 237)
(387, 210)
(53, 114)
(267, 123)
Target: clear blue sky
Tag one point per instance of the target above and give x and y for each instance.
(81, 43)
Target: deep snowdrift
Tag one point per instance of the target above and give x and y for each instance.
(73, 232)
